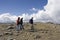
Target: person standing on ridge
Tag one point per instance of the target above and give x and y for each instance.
(31, 22)
(18, 24)
(22, 27)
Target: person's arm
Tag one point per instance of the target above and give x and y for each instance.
(17, 22)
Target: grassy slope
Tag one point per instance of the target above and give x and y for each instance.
(43, 31)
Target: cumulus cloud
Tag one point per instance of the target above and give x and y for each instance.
(34, 9)
(7, 17)
(53, 10)
(51, 14)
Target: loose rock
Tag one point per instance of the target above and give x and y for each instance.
(37, 37)
(8, 33)
(10, 27)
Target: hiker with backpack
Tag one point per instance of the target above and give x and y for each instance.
(31, 22)
(21, 21)
(18, 24)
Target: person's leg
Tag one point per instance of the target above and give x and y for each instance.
(17, 27)
(32, 28)
(22, 27)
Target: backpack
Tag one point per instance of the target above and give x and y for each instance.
(30, 21)
(18, 22)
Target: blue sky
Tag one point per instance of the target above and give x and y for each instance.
(17, 7)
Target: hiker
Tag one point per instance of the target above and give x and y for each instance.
(18, 24)
(21, 21)
(31, 22)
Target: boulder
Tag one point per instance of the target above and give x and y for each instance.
(1, 34)
(10, 39)
(10, 27)
(37, 37)
(8, 33)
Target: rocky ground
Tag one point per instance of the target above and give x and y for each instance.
(42, 31)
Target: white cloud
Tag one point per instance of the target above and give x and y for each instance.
(34, 9)
(51, 14)
(53, 10)
(7, 17)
